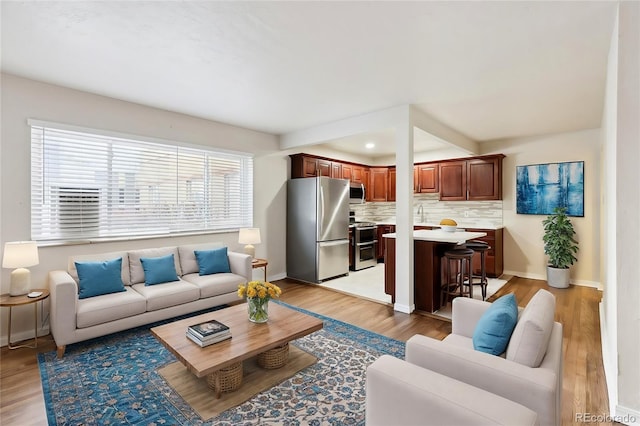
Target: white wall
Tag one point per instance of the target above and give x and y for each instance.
(627, 201)
(523, 247)
(608, 203)
(23, 99)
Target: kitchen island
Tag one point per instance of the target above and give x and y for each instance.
(428, 248)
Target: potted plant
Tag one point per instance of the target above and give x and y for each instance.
(560, 245)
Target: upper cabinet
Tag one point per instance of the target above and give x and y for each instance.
(472, 179)
(352, 172)
(463, 179)
(426, 178)
(391, 189)
(378, 183)
(308, 166)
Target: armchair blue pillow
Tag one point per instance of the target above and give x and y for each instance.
(493, 331)
(158, 270)
(98, 278)
(212, 261)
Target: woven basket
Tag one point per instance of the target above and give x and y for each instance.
(230, 378)
(274, 358)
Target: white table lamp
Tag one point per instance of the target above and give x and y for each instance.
(20, 255)
(249, 236)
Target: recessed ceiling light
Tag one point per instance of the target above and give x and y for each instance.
(370, 145)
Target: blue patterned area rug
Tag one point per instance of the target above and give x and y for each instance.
(115, 380)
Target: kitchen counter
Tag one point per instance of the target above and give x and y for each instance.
(440, 236)
(428, 248)
(435, 225)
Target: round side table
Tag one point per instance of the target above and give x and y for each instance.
(11, 301)
(260, 263)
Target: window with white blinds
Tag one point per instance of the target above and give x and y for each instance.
(91, 186)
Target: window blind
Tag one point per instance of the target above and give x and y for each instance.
(92, 186)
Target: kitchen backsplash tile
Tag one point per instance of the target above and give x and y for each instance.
(478, 213)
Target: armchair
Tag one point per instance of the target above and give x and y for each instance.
(529, 374)
(538, 388)
(403, 394)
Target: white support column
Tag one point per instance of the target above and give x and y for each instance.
(404, 216)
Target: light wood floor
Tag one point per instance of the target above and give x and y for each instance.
(584, 387)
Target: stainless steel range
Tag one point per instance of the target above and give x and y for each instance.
(365, 245)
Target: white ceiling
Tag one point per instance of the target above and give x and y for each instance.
(489, 70)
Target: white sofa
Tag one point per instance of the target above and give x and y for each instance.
(74, 319)
(536, 339)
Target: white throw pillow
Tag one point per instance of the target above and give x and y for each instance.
(530, 337)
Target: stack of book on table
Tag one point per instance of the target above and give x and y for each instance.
(209, 332)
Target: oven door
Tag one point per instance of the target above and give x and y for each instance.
(365, 255)
(366, 234)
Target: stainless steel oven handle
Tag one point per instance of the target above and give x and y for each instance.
(365, 228)
(368, 243)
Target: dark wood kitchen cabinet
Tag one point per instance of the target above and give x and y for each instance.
(303, 166)
(494, 258)
(352, 247)
(353, 172)
(347, 172)
(391, 190)
(357, 174)
(378, 183)
(383, 229)
(426, 178)
(473, 179)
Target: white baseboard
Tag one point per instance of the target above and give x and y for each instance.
(626, 416)
(403, 308)
(21, 336)
(531, 276)
(609, 361)
(276, 277)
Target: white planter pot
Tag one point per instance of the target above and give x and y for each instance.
(557, 277)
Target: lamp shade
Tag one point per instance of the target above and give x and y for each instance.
(249, 236)
(20, 254)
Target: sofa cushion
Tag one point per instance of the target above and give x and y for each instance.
(99, 277)
(159, 270)
(188, 261)
(531, 335)
(109, 307)
(494, 328)
(71, 268)
(212, 261)
(164, 295)
(216, 284)
(135, 266)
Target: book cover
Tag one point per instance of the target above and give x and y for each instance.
(208, 328)
(212, 337)
(202, 344)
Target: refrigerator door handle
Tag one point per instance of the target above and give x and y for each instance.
(333, 243)
(321, 205)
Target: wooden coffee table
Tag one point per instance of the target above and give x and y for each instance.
(248, 339)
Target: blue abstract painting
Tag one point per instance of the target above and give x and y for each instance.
(542, 187)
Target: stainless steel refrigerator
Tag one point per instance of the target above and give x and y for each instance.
(317, 228)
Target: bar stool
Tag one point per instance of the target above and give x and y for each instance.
(461, 259)
(482, 248)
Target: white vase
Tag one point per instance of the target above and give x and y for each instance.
(558, 277)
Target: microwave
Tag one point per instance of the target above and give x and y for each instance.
(356, 193)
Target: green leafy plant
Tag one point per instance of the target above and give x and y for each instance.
(559, 241)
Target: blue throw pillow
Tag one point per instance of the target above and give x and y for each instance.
(98, 278)
(159, 270)
(212, 261)
(495, 326)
